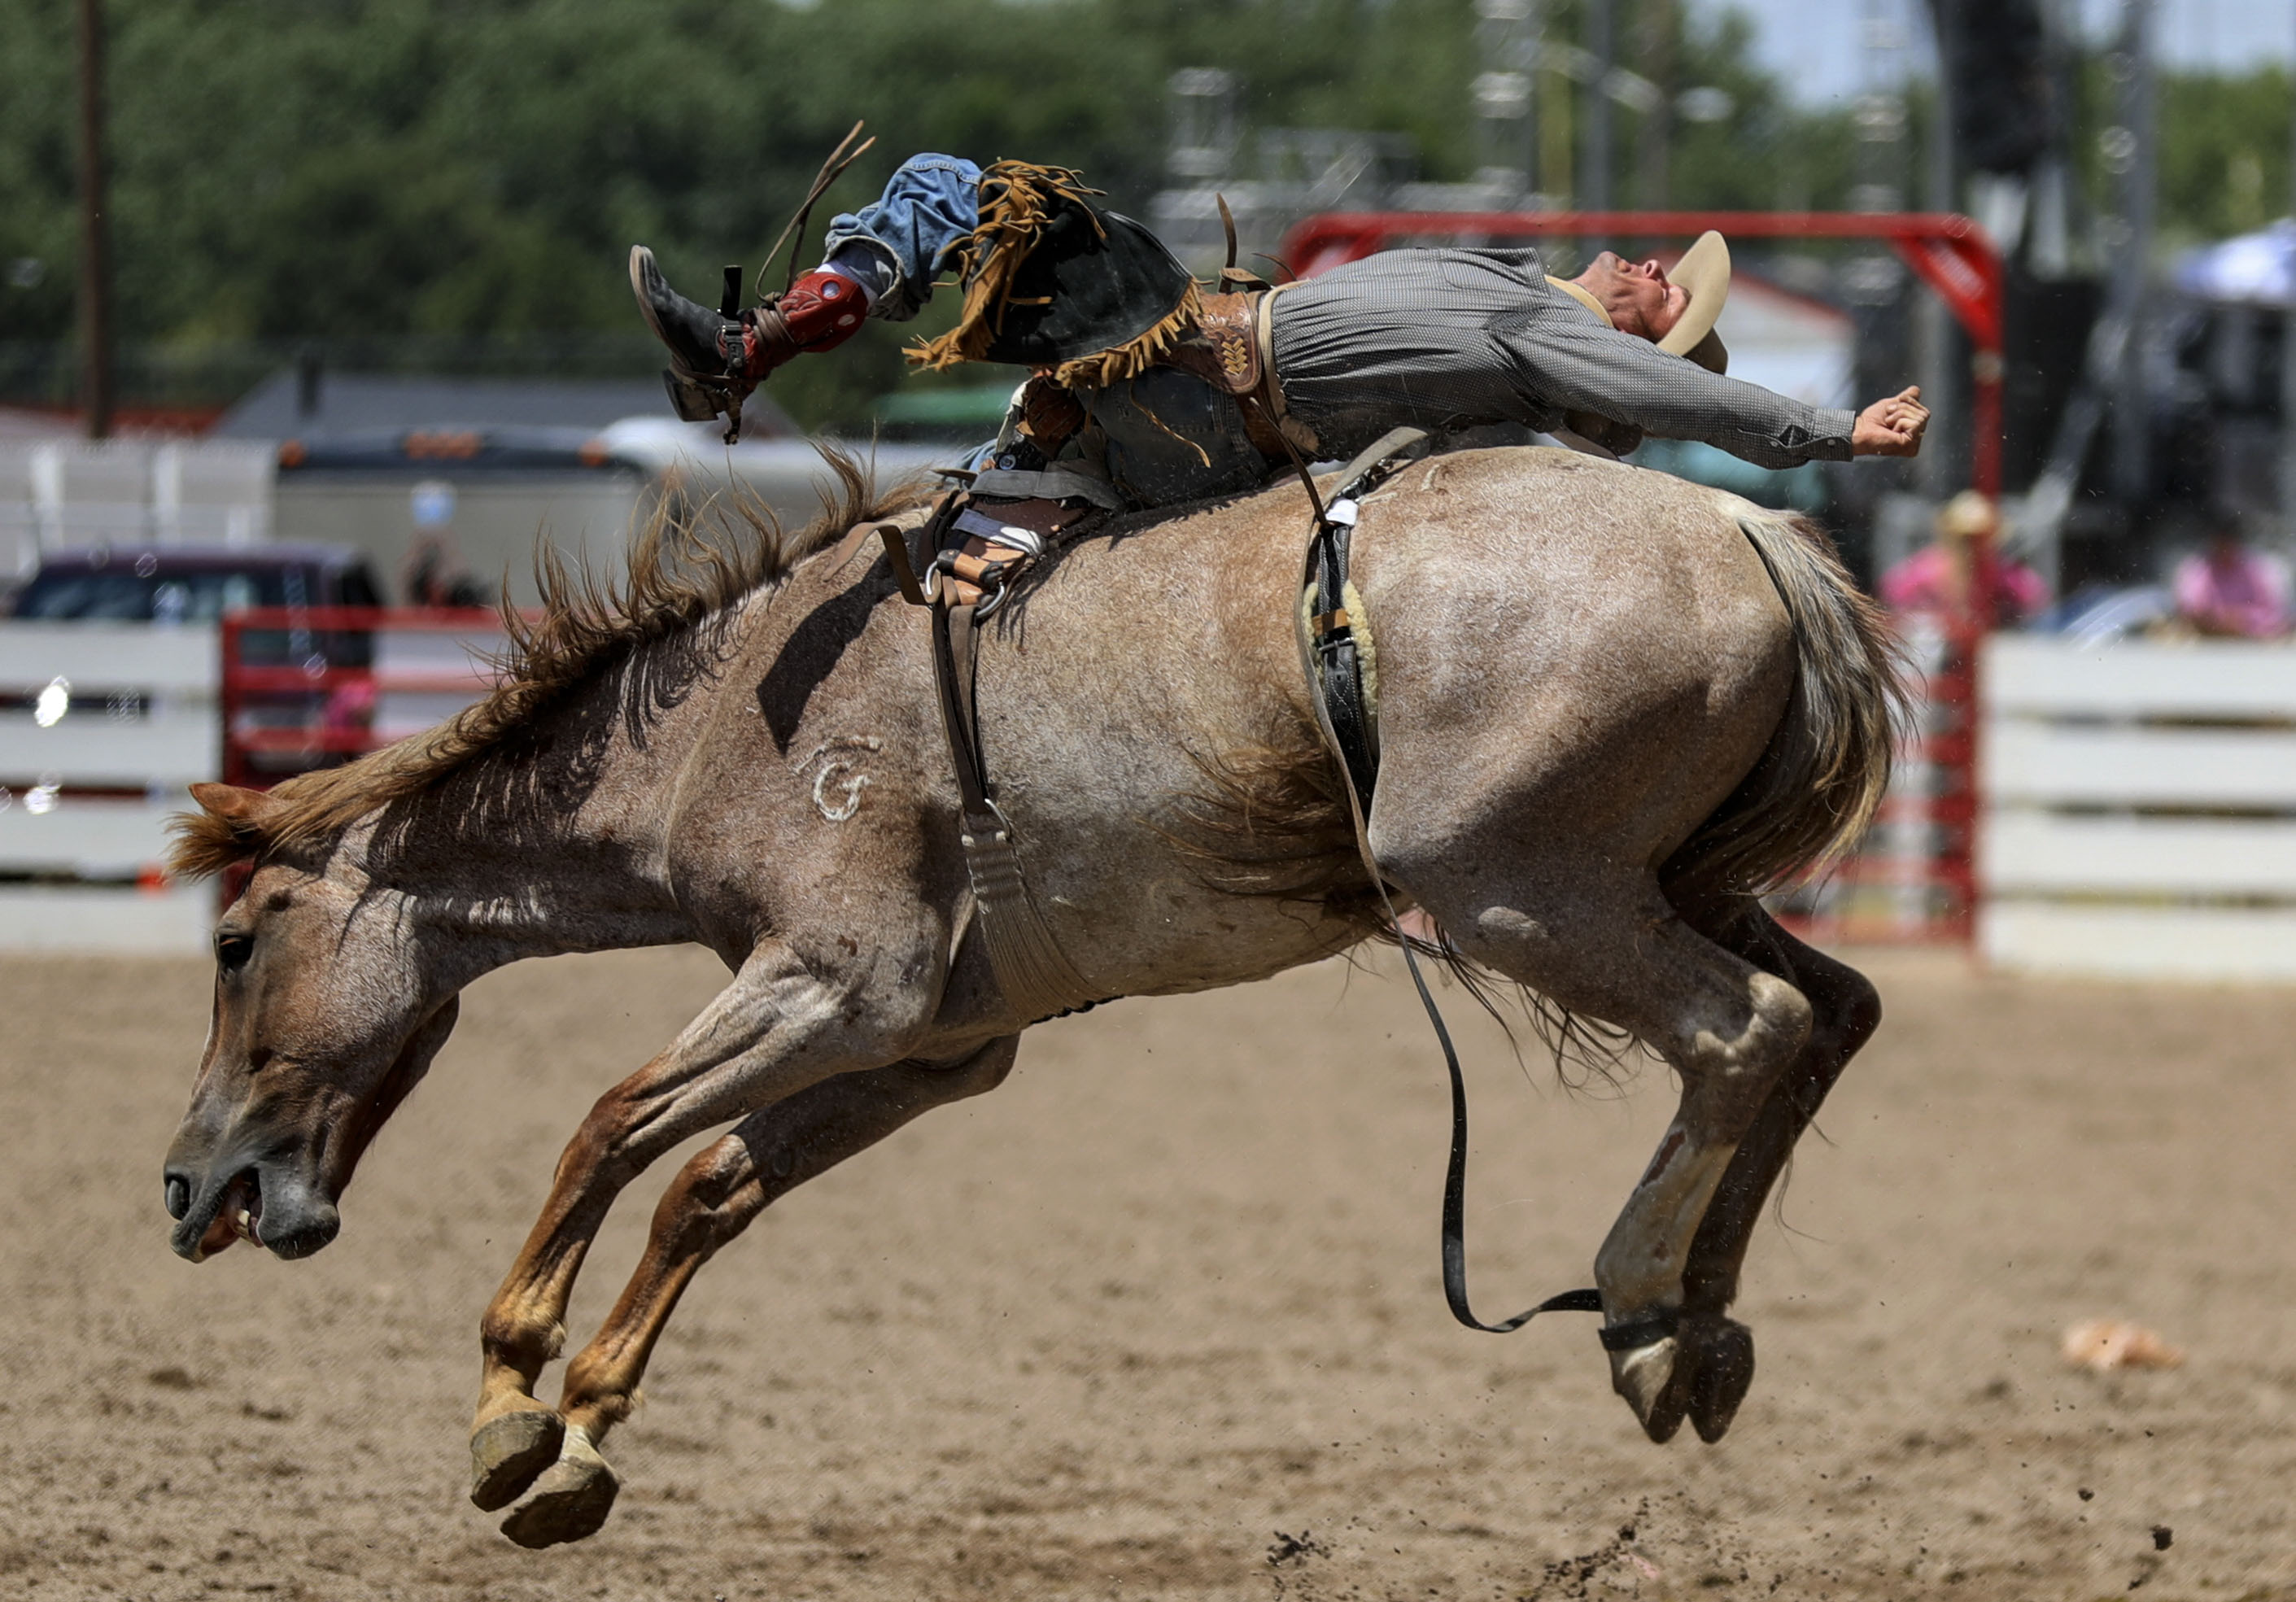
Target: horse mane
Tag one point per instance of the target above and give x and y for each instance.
(681, 572)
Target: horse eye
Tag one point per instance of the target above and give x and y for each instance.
(233, 950)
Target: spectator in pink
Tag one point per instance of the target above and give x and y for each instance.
(1937, 579)
(2231, 591)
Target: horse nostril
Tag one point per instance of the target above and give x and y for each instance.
(179, 1196)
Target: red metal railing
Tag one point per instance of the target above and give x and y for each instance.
(1914, 877)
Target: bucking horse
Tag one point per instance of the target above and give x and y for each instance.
(1614, 707)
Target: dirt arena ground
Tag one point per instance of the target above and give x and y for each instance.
(1159, 1318)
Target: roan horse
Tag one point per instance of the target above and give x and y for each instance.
(1612, 706)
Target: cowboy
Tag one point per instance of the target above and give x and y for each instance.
(1147, 392)
(1941, 579)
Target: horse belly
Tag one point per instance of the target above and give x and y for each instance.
(1101, 706)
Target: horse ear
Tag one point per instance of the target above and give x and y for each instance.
(241, 807)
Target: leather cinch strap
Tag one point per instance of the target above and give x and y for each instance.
(1035, 974)
(1332, 656)
(1031, 970)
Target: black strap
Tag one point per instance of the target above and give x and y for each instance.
(953, 661)
(1455, 1200)
(1340, 661)
(953, 678)
(1339, 688)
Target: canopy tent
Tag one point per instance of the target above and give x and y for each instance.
(2253, 270)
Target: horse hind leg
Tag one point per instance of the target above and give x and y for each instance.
(1618, 952)
(1846, 1010)
(717, 1195)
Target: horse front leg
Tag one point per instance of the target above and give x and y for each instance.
(779, 1027)
(717, 1195)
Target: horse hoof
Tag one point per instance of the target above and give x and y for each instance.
(569, 1502)
(1653, 1380)
(1722, 1367)
(509, 1452)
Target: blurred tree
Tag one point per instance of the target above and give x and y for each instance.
(2224, 157)
(1767, 153)
(309, 168)
(38, 242)
(2224, 153)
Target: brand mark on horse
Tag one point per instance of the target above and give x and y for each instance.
(840, 761)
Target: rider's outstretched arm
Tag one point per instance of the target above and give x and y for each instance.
(1572, 364)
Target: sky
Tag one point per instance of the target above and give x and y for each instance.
(1815, 43)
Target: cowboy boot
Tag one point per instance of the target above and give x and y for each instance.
(716, 357)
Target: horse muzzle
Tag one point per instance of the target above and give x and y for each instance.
(268, 1205)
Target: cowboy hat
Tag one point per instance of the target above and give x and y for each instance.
(1968, 514)
(1704, 273)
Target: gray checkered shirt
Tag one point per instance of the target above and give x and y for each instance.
(1451, 339)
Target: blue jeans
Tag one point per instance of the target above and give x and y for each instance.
(891, 245)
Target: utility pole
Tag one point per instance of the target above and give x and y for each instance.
(95, 392)
(2112, 371)
(2049, 234)
(2131, 149)
(1872, 278)
(1881, 113)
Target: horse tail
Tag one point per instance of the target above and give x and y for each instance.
(1822, 774)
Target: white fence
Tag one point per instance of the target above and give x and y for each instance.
(102, 728)
(2140, 808)
(2138, 816)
